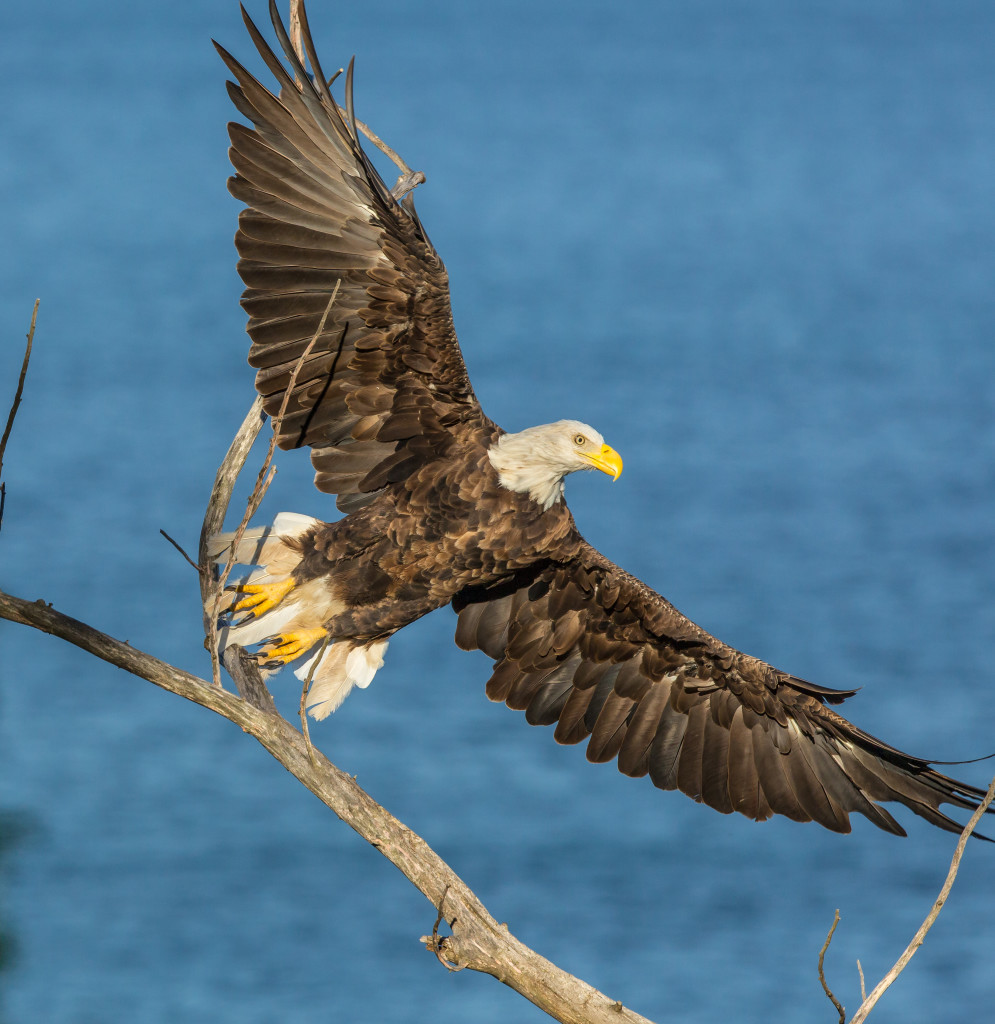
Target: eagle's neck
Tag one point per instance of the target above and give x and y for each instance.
(523, 465)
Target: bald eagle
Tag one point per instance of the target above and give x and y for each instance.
(352, 338)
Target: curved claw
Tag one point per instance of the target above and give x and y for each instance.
(280, 650)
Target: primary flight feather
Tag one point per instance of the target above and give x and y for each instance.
(348, 302)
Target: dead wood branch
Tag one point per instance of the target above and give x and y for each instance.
(822, 969)
(477, 941)
(920, 936)
(214, 518)
(869, 1002)
(212, 584)
(408, 179)
(244, 669)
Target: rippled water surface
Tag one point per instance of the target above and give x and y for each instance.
(753, 244)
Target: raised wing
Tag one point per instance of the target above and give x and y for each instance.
(589, 647)
(328, 255)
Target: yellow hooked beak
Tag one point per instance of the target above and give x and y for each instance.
(607, 460)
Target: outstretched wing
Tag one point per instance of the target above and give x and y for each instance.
(328, 255)
(591, 648)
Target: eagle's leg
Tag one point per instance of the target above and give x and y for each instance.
(284, 605)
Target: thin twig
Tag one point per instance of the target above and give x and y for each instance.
(383, 147)
(263, 480)
(181, 551)
(436, 944)
(822, 974)
(863, 990)
(214, 518)
(20, 382)
(920, 935)
(278, 421)
(255, 499)
(408, 178)
(19, 391)
(304, 692)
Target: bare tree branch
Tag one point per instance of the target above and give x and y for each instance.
(822, 973)
(305, 689)
(224, 484)
(917, 940)
(20, 382)
(179, 548)
(920, 936)
(214, 518)
(212, 585)
(296, 33)
(16, 403)
(244, 669)
(408, 178)
(477, 940)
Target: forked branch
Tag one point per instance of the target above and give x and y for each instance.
(934, 913)
(869, 1001)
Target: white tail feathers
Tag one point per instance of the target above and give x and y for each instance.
(265, 546)
(275, 553)
(339, 668)
(274, 550)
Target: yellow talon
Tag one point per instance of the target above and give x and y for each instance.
(262, 596)
(287, 647)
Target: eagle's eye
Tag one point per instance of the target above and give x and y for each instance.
(580, 440)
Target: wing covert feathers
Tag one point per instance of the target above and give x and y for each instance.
(384, 386)
(589, 648)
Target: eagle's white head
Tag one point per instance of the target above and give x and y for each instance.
(537, 459)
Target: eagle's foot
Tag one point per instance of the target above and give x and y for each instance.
(261, 597)
(280, 650)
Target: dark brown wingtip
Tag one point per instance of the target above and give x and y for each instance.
(230, 62)
(274, 14)
(824, 694)
(321, 83)
(249, 23)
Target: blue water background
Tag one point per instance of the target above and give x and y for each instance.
(751, 242)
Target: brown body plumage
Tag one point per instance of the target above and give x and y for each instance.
(445, 507)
